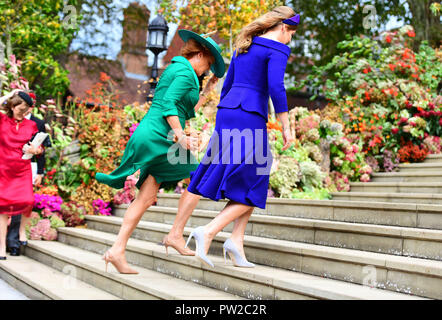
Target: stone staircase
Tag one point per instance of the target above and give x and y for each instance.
(364, 244)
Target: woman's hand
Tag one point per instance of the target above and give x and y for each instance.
(210, 85)
(189, 143)
(29, 148)
(38, 180)
(10, 94)
(287, 137)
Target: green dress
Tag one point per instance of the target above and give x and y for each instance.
(151, 148)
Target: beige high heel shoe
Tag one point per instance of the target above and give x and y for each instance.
(121, 268)
(182, 251)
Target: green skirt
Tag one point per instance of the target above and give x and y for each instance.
(151, 150)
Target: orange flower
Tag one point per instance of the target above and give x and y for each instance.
(104, 77)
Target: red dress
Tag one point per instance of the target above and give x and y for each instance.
(16, 192)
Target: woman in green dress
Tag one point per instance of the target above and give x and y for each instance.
(151, 148)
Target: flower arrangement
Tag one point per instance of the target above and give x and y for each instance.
(73, 214)
(101, 207)
(386, 95)
(10, 75)
(340, 182)
(45, 218)
(133, 128)
(284, 175)
(433, 144)
(390, 161)
(410, 152)
(43, 231)
(44, 201)
(127, 195)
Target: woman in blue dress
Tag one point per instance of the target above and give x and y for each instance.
(238, 159)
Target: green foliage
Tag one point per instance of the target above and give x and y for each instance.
(56, 222)
(326, 23)
(286, 177)
(227, 17)
(34, 31)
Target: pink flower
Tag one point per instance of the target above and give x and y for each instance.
(365, 178)
(350, 157)
(14, 85)
(50, 235)
(206, 126)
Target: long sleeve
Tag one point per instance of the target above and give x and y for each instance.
(179, 86)
(229, 78)
(276, 70)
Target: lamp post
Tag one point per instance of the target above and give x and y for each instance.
(156, 43)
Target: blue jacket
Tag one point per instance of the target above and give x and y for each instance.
(256, 74)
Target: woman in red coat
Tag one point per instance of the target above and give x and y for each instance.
(16, 193)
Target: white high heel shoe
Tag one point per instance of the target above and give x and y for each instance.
(238, 261)
(198, 234)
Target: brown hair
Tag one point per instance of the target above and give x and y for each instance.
(11, 103)
(192, 47)
(261, 25)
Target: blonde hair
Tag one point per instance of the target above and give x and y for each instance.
(192, 47)
(261, 25)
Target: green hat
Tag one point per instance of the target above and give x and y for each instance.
(218, 68)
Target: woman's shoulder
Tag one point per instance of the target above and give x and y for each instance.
(178, 67)
(272, 45)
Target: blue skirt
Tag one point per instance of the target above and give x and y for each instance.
(238, 159)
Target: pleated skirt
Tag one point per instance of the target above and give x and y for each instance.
(237, 161)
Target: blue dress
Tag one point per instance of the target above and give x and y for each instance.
(238, 159)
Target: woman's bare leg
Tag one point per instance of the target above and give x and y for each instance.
(186, 206)
(145, 198)
(232, 211)
(239, 230)
(22, 231)
(3, 232)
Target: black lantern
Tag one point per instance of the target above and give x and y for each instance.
(156, 43)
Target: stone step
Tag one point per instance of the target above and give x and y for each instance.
(413, 242)
(408, 176)
(421, 167)
(88, 266)
(261, 282)
(394, 187)
(434, 158)
(422, 198)
(41, 282)
(406, 274)
(367, 212)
